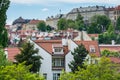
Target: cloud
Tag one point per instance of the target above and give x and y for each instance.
(45, 9)
(26, 1)
(64, 1)
(117, 2)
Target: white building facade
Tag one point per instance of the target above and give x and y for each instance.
(56, 56)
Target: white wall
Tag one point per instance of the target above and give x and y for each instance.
(69, 57)
(46, 66)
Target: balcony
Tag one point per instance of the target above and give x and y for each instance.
(58, 63)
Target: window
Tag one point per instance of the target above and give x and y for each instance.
(58, 62)
(45, 76)
(58, 49)
(92, 49)
(56, 76)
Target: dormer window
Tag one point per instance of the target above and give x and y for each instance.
(58, 49)
(92, 49)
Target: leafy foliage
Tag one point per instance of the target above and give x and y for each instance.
(62, 24)
(94, 28)
(41, 26)
(79, 22)
(79, 56)
(104, 70)
(108, 36)
(102, 22)
(3, 59)
(30, 56)
(108, 53)
(118, 24)
(18, 72)
(3, 32)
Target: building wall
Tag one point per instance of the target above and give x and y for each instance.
(69, 57)
(30, 27)
(83, 35)
(87, 13)
(46, 66)
(52, 23)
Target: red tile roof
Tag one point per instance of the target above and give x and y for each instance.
(117, 8)
(115, 48)
(88, 44)
(93, 35)
(47, 45)
(35, 21)
(115, 60)
(12, 52)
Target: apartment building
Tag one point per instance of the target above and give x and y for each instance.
(87, 12)
(57, 55)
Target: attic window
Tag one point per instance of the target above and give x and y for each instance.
(92, 49)
(58, 49)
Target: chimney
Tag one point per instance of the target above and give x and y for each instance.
(64, 42)
(6, 52)
(113, 42)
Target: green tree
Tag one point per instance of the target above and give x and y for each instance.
(79, 56)
(94, 28)
(41, 26)
(108, 36)
(48, 28)
(110, 29)
(71, 24)
(102, 21)
(79, 22)
(118, 24)
(118, 39)
(62, 24)
(18, 72)
(30, 56)
(3, 59)
(108, 53)
(4, 5)
(104, 70)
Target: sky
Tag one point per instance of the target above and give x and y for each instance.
(41, 9)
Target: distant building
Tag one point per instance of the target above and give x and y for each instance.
(52, 21)
(87, 13)
(57, 55)
(31, 25)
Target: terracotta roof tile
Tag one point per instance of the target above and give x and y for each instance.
(93, 35)
(115, 48)
(35, 21)
(117, 8)
(115, 60)
(89, 44)
(12, 52)
(47, 45)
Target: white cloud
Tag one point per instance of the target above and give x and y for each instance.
(64, 1)
(26, 1)
(91, 1)
(45, 9)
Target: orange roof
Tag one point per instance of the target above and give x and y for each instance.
(47, 45)
(88, 44)
(115, 48)
(115, 60)
(93, 35)
(7, 25)
(117, 8)
(12, 52)
(35, 21)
